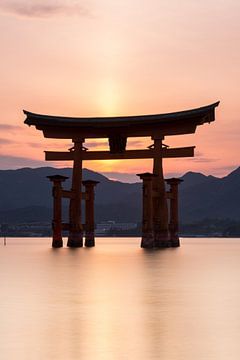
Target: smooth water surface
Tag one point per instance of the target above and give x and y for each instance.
(117, 301)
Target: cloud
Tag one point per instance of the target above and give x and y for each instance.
(103, 144)
(204, 160)
(16, 162)
(199, 158)
(44, 8)
(138, 143)
(7, 127)
(47, 146)
(5, 141)
(35, 145)
(97, 145)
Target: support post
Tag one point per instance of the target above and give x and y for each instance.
(147, 211)
(173, 225)
(89, 212)
(75, 238)
(160, 208)
(57, 209)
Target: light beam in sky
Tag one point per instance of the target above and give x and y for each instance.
(108, 97)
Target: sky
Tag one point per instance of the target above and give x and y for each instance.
(102, 58)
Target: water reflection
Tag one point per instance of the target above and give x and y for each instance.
(116, 301)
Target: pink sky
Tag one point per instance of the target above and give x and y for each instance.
(85, 58)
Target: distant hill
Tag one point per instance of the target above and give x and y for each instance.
(210, 197)
(25, 196)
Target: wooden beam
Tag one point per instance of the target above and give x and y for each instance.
(187, 151)
(128, 154)
(58, 155)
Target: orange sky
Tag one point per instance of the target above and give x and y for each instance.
(120, 57)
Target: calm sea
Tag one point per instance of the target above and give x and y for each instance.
(117, 301)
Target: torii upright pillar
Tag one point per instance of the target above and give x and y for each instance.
(75, 238)
(147, 211)
(57, 209)
(89, 212)
(160, 207)
(173, 196)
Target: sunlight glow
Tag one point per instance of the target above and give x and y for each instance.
(108, 97)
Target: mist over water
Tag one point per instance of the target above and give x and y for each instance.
(117, 301)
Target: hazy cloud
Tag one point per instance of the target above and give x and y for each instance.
(204, 160)
(5, 141)
(35, 145)
(7, 127)
(199, 158)
(138, 143)
(44, 8)
(16, 162)
(47, 146)
(104, 144)
(96, 144)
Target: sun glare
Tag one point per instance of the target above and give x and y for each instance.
(105, 165)
(108, 98)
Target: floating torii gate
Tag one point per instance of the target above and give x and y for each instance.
(158, 231)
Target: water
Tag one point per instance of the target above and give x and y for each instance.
(117, 301)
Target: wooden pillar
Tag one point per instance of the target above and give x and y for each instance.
(89, 212)
(173, 225)
(160, 208)
(147, 211)
(57, 209)
(75, 238)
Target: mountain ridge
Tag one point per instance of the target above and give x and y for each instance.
(26, 194)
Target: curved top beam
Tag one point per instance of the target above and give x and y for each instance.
(139, 125)
(38, 119)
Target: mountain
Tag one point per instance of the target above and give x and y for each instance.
(30, 187)
(210, 197)
(25, 196)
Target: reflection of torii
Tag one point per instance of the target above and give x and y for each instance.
(117, 130)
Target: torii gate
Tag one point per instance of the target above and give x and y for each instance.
(157, 230)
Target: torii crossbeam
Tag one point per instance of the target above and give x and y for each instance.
(128, 154)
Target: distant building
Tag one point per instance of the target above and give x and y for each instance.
(107, 226)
